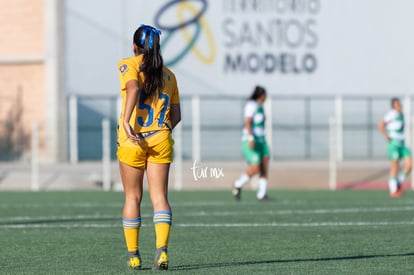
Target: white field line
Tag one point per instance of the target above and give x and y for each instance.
(62, 205)
(74, 220)
(215, 214)
(148, 204)
(209, 225)
(305, 212)
(119, 205)
(306, 224)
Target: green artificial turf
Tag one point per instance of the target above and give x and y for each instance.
(297, 232)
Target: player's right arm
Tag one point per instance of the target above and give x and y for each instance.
(249, 111)
(248, 127)
(382, 129)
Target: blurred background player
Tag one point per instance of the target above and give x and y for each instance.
(150, 110)
(392, 127)
(254, 145)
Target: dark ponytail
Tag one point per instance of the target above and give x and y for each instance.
(147, 39)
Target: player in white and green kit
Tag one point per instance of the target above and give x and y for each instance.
(254, 145)
(392, 127)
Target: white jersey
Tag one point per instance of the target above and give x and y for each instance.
(255, 111)
(394, 124)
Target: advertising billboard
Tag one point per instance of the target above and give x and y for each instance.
(293, 47)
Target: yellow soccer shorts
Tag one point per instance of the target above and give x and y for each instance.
(138, 155)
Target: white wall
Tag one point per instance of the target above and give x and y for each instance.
(360, 46)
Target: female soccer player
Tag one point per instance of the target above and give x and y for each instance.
(392, 127)
(254, 145)
(150, 110)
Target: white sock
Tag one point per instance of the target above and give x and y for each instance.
(262, 188)
(392, 184)
(242, 180)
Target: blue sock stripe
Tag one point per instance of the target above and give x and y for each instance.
(134, 223)
(163, 221)
(163, 212)
(130, 225)
(132, 220)
(162, 217)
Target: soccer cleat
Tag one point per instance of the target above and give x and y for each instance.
(265, 198)
(236, 193)
(161, 259)
(134, 260)
(397, 193)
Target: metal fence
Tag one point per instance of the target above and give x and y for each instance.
(297, 126)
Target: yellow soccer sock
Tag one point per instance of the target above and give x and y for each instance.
(162, 224)
(131, 233)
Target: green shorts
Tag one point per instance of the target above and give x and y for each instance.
(255, 155)
(396, 152)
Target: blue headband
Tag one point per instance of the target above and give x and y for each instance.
(151, 30)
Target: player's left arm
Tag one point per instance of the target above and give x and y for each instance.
(129, 75)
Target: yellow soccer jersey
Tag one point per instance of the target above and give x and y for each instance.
(153, 113)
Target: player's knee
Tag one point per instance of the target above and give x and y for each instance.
(263, 174)
(133, 198)
(255, 168)
(408, 164)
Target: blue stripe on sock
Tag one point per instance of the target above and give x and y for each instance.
(133, 220)
(162, 217)
(163, 212)
(131, 223)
